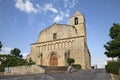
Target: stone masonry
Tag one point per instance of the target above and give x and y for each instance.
(60, 41)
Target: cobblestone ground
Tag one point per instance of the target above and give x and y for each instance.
(79, 75)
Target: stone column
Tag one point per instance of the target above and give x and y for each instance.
(40, 48)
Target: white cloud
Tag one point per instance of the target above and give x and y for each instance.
(25, 55)
(70, 3)
(110, 59)
(26, 6)
(29, 7)
(6, 50)
(67, 15)
(60, 16)
(50, 7)
(100, 63)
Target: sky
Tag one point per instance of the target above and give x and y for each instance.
(22, 20)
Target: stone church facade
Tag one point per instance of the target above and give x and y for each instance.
(60, 41)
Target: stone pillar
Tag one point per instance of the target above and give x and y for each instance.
(52, 46)
(57, 45)
(45, 47)
(40, 48)
(37, 49)
(48, 46)
(70, 44)
(60, 45)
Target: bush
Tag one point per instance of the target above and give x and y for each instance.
(70, 61)
(113, 67)
(78, 66)
(1, 68)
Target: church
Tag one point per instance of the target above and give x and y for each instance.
(58, 42)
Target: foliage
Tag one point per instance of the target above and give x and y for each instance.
(0, 45)
(113, 47)
(70, 61)
(113, 67)
(5, 61)
(13, 59)
(30, 62)
(114, 31)
(78, 66)
(10, 61)
(16, 52)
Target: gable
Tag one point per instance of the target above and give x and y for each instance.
(55, 32)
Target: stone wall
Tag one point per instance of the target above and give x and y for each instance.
(115, 77)
(22, 70)
(59, 39)
(62, 31)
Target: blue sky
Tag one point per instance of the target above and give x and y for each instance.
(22, 20)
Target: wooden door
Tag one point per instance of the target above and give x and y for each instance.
(53, 60)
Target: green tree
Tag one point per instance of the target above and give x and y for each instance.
(114, 31)
(113, 47)
(0, 45)
(16, 52)
(7, 60)
(10, 61)
(13, 59)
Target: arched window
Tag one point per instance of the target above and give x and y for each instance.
(76, 21)
(54, 36)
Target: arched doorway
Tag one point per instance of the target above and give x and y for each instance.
(53, 60)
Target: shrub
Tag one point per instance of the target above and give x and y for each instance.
(113, 67)
(1, 68)
(78, 66)
(30, 62)
(70, 61)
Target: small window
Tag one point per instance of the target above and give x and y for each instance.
(76, 21)
(54, 36)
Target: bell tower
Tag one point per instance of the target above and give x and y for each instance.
(78, 22)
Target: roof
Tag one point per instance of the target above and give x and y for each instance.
(77, 13)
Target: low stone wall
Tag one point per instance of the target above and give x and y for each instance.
(1, 73)
(115, 77)
(22, 70)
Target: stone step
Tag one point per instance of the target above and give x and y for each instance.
(58, 69)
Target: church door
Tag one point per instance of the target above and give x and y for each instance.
(53, 60)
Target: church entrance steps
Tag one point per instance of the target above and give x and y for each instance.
(58, 69)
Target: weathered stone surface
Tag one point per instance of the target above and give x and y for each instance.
(115, 77)
(60, 41)
(79, 75)
(22, 70)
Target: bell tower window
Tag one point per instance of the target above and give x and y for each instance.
(76, 21)
(54, 36)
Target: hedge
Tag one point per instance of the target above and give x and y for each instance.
(113, 67)
(78, 66)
